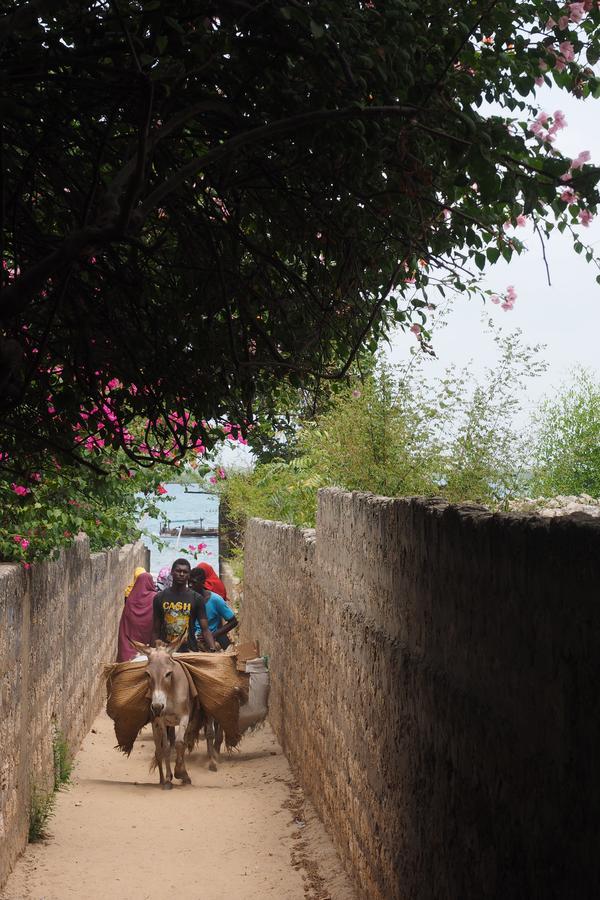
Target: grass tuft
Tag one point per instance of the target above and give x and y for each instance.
(41, 810)
(63, 762)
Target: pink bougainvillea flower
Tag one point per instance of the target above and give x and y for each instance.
(511, 294)
(560, 64)
(567, 50)
(568, 196)
(563, 23)
(560, 120)
(20, 489)
(521, 220)
(585, 217)
(416, 329)
(26, 565)
(495, 298)
(566, 177)
(202, 546)
(17, 538)
(221, 473)
(161, 489)
(35, 476)
(582, 158)
(576, 11)
(24, 543)
(539, 80)
(212, 479)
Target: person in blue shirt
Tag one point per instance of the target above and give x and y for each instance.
(221, 618)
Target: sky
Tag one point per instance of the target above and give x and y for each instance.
(564, 316)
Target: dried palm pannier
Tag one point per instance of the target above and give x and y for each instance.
(215, 680)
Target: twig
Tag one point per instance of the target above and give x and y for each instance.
(539, 234)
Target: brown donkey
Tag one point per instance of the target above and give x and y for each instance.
(175, 711)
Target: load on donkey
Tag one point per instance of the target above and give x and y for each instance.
(179, 693)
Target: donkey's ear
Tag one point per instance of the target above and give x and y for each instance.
(141, 648)
(176, 644)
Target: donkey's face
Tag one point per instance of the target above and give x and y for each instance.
(160, 674)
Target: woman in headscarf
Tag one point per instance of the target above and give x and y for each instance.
(212, 582)
(164, 579)
(137, 616)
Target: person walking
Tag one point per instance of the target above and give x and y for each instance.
(221, 618)
(138, 615)
(212, 582)
(177, 608)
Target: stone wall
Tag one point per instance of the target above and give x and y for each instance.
(436, 687)
(58, 627)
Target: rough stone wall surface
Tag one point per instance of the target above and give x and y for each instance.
(435, 685)
(59, 626)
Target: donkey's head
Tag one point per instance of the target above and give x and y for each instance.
(159, 671)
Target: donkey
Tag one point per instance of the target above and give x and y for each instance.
(176, 713)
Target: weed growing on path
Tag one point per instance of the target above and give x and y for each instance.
(63, 763)
(41, 810)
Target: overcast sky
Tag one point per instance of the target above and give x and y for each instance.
(565, 316)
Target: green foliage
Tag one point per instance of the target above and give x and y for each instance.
(567, 449)
(398, 433)
(205, 203)
(42, 803)
(63, 762)
(62, 501)
(41, 809)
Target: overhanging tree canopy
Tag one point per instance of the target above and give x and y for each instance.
(202, 203)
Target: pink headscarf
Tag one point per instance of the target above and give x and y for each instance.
(137, 617)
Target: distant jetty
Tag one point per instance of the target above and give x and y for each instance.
(192, 529)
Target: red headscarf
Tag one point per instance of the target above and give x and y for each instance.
(137, 616)
(213, 582)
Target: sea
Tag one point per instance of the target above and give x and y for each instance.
(183, 505)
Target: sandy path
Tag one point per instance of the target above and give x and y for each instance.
(243, 833)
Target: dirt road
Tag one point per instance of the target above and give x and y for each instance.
(243, 833)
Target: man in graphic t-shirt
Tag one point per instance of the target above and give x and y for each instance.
(177, 608)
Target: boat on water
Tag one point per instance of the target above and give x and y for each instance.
(188, 528)
(188, 531)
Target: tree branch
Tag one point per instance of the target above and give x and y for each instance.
(23, 289)
(262, 134)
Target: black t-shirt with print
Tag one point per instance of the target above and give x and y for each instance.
(176, 610)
